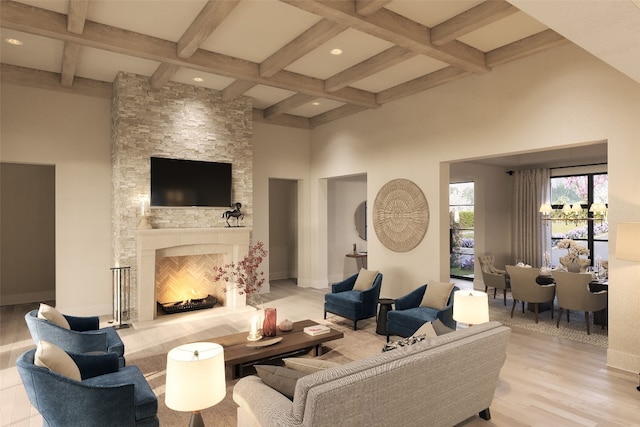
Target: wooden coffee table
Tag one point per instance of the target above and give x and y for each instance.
(238, 355)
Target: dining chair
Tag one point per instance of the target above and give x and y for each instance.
(494, 277)
(574, 294)
(524, 288)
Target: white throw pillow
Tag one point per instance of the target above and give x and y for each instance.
(436, 295)
(57, 360)
(364, 280)
(304, 364)
(427, 330)
(52, 315)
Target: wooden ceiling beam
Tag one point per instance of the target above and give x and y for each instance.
(47, 80)
(367, 7)
(285, 105)
(484, 14)
(209, 18)
(528, 46)
(76, 17)
(428, 81)
(335, 114)
(42, 22)
(397, 29)
(382, 61)
(288, 120)
(321, 32)
(236, 89)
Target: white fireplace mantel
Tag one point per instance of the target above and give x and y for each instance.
(156, 243)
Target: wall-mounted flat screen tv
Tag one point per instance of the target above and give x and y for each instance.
(177, 182)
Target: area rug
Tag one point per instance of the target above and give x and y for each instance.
(574, 330)
(355, 345)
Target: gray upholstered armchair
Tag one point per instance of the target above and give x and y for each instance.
(348, 301)
(524, 288)
(573, 293)
(106, 396)
(494, 277)
(84, 335)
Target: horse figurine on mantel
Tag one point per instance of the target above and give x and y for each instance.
(235, 213)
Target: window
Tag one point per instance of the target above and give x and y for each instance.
(461, 229)
(593, 233)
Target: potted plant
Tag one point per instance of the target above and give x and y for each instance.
(244, 275)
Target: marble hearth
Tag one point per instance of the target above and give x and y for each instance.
(153, 244)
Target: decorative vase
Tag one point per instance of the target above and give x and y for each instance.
(270, 322)
(233, 297)
(575, 267)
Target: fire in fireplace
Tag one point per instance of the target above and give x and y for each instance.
(188, 305)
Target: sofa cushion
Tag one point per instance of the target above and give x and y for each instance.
(52, 315)
(307, 365)
(55, 359)
(404, 342)
(280, 379)
(440, 328)
(364, 280)
(146, 402)
(427, 330)
(436, 295)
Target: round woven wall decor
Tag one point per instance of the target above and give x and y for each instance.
(400, 215)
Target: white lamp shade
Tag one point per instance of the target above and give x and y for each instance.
(195, 377)
(628, 241)
(546, 209)
(471, 307)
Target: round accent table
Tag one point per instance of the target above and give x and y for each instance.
(385, 306)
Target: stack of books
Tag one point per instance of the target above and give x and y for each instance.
(316, 330)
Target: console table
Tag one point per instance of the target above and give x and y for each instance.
(361, 259)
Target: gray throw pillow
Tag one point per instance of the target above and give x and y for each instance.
(280, 379)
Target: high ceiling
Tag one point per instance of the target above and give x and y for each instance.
(279, 52)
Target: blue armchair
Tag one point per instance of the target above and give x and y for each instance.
(353, 304)
(85, 335)
(408, 316)
(106, 396)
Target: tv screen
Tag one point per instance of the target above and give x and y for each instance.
(177, 182)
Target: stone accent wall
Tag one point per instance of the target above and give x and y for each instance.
(179, 121)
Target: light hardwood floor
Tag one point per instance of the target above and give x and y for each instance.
(546, 381)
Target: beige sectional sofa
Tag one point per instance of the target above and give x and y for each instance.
(440, 381)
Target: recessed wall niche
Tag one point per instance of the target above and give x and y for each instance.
(177, 121)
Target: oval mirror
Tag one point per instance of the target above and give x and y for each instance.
(360, 219)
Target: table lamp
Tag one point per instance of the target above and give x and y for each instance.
(470, 307)
(195, 379)
(627, 244)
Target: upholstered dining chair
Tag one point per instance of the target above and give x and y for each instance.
(524, 288)
(573, 293)
(77, 335)
(494, 277)
(356, 297)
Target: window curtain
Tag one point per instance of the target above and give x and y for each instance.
(532, 236)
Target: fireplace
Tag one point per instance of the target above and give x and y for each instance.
(189, 251)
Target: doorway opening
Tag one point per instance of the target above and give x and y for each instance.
(283, 229)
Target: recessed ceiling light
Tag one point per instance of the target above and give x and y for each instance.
(335, 51)
(198, 79)
(14, 42)
(316, 103)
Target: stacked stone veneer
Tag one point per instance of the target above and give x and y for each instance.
(179, 121)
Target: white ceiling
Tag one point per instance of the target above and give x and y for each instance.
(255, 30)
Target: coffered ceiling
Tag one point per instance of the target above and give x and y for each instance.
(279, 52)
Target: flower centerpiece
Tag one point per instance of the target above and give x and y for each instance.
(244, 275)
(572, 260)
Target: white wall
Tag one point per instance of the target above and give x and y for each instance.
(282, 153)
(72, 132)
(344, 194)
(556, 98)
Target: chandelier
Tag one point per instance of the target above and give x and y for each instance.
(575, 212)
